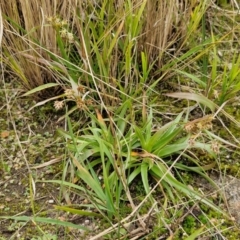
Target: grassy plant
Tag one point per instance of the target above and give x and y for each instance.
(109, 57)
(225, 85)
(124, 30)
(110, 153)
(215, 72)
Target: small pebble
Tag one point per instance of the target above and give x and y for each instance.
(87, 221)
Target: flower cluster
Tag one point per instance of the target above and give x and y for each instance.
(199, 124)
(58, 105)
(67, 35)
(196, 127)
(60, 25)
(56, 22)
(81, 99)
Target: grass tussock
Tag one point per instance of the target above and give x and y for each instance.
(107, 38)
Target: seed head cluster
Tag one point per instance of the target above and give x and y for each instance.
(61, 26)
(82, 100)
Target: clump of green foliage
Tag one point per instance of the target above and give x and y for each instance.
(108, 58)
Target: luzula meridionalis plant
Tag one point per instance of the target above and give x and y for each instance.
(120, 150)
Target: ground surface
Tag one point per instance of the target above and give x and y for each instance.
(29, 143)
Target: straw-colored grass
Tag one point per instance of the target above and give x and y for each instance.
(110, 34)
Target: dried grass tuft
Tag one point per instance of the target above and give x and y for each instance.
(165, 26)
(29, 38)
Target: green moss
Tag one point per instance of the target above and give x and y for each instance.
(189, 224)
